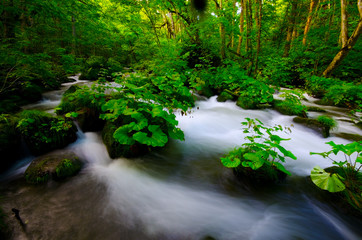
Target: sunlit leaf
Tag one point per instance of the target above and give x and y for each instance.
(327, 181)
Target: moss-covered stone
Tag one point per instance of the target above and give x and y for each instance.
(43, 132)
(313, 124)
(349, 136)
(289, 108)
(263, 176)
(89, 121)
(10, 141)
(56, 166)
(224, 96)
(315, 109)
(206, 91)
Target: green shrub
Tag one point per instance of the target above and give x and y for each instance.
(252, 94)
(345, 95)
(42, 132)
(318, 86)
(327, 121)
(291, 105)
(345, 177)
(262, 148)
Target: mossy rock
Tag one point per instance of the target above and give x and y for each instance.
(264, 176)
(224, 96)
(349, 136)
(246, 103)
(313, 124)
(10, 141)
(43, 132)
(115, 149)
(349, 201)
(56, 166)
(315, 109)
(288, 108)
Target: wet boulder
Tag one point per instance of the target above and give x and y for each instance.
(10, 141)
(313, 124)
(57, 166)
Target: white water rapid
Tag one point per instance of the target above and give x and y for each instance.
(183, 191)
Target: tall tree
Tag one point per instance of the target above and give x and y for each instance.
(291, 23)
(348, 46)
(344, 23)
(241, 25)
(309, 20)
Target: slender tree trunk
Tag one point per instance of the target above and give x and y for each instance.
(249, 26)
(233, 25)
(309, 20)
(222, 33)
(290, 28)
(242, 5)
(344, 23)
(258, 18)
(74, 35)
(348, 46)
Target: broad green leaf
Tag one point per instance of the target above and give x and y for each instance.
(359, 159)
(281, 168)
(176, 133)
(157, 139)
(286, 152)
(327, 181)
(230, 162)
(122, 135)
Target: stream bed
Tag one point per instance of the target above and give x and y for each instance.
(181, 191)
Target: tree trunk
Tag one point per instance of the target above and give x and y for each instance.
(344, 23)
(249, 26)
(290, 28)
(233, 25)
(350, 43)
(222, 33)
(258, 17)
(242, 5)
(309, 20)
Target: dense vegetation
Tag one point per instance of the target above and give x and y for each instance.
(149, 57)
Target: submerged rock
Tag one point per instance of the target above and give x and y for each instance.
(263, 176)
(349, 136)
(57, 166)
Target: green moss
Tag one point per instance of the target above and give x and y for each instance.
(67, 168)
(315, 109)
(327, 122)
(290, 108)
(58, 166)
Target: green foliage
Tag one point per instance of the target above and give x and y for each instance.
(198, 56)
(345, 176)
(43, 132)
(318, 86)
(327, 121)
(291, 105)
(76, 99)
(263, 148)
(332, 182)
(351, 164)
(345, 95)
(10, 140)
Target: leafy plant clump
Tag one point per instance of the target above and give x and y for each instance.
(327, 122)
(318, 86)
(345, 177)
(262, 151)
(67, 168)
(42, 132)
(291, 105)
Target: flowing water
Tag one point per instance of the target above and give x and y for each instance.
(181, 191)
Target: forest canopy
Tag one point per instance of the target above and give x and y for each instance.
(279, 42)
